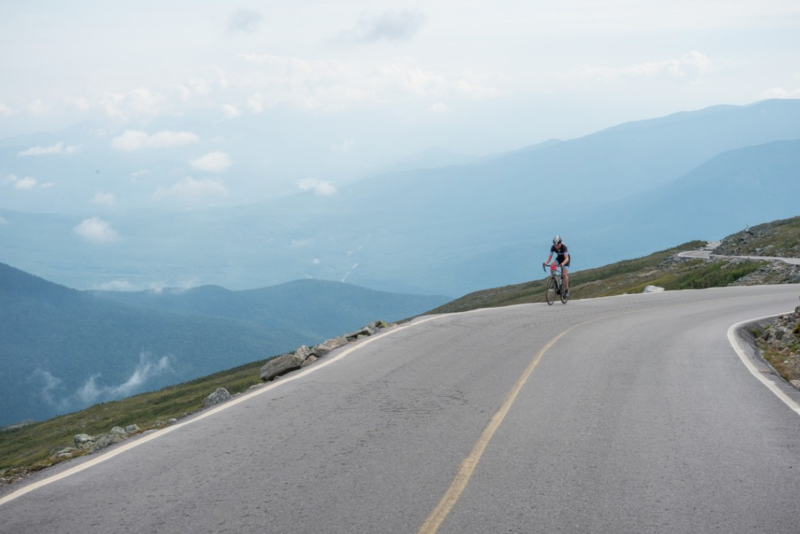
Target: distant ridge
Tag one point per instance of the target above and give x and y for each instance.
(64, 349)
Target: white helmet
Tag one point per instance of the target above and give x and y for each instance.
(557, 240)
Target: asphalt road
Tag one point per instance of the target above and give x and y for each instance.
(629, 414)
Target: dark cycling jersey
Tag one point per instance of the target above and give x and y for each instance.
(561, 254)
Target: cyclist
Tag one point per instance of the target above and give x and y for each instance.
(562, 258)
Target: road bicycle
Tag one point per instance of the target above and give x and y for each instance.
(555, 285)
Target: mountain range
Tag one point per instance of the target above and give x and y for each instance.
(64, 349)
(474, 223)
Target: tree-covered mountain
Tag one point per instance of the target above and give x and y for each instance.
(63, 349)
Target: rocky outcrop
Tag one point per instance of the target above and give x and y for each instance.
(303, 356)
(779, 344)
(774, 272)
(219, 396)
(87, 443)
(653, 289)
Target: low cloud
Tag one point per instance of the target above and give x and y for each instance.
(93, 391)
(255, 105)
(319, 187)
(196, 87)
(245, 21)
(139, 102)
(38, 108)
(337, 85)
(21, 184)
(58, 148)
(132, 140)
(231, 112)
(96, 230)
(213, 162)
(191, 191)
(25, 183)
(691, 66)
(388, 26)
(780, 92)
(104, 199)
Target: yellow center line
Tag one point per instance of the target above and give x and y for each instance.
(467, 467)
(469, 464)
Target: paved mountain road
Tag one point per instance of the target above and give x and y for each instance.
(639, 418)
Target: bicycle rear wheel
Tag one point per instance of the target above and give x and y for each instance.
(550, 292)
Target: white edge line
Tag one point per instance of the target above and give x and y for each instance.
(753, 369)
(242, 398)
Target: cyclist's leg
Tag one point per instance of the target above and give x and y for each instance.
(565, 277)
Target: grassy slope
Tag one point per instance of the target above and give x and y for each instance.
(32, 446)
(629, 276)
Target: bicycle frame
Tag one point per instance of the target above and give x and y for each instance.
(555, 285)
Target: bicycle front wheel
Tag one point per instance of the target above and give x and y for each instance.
(550, 293)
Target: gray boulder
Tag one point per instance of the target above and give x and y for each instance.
(219, 396)
(332, 344)
(311, 359)
(653, 289)
(106, 440)
(285, 363)
(367, 331)
(84, 441)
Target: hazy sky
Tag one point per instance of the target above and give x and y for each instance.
(387, 78)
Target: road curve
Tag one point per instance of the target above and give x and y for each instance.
(706, 254)
(629, 414)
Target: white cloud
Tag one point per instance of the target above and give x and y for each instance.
(255, 105)
(38, 108)
(337, 85)
(230, 111)
(21, 184)
(780, 92)
(79, 103)
(132, 140)
(3, 220)
(92, 392)
(320, 187)
(245, 21)
(325, 189)
(5, 111)
(439, 107)
(213, 162)
(138, 102)
(104, 199)
(399, 25)
(58, 148)
(191, 190)
(691, 66)
(194, 88)
(146, 370)
(96, 230)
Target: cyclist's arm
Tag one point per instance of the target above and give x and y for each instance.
(566, 259)
(550, 257)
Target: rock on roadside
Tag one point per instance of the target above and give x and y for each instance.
(303, 356)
